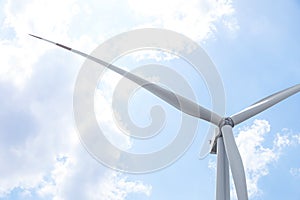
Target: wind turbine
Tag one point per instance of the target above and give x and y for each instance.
(223, 143)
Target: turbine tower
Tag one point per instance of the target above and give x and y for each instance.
(224, 142)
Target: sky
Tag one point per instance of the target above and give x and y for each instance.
(254, 46)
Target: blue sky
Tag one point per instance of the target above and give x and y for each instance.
(254, 45)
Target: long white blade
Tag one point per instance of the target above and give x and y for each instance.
(181, 103)
(264, 104)
(222, 189)
(235, 163)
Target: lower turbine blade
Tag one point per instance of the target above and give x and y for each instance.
(264, 104)
(235, 163)
(223, 189)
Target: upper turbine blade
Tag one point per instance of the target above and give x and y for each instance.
(235, 163)
(264, 104)
(181, 103)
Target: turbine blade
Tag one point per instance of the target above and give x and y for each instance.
(264, 104)
(223, 184)
(235, 163)
(181, 103)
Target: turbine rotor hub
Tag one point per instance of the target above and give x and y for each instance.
(226, 121)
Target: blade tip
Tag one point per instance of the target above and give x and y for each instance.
(35, 36)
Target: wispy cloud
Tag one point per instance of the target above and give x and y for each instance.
(295, 172)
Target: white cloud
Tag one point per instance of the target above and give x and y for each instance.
(286, 138)
(256, 157)
(196, 19)
(39, 146)
(104, 112)
(52, 184)
(40, 16)
(193, 18)
(116, 187)
(42, 154)
(110, 185)
(19, 52)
